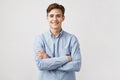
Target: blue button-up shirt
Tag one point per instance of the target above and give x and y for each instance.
(57, 66)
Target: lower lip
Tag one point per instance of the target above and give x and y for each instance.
(55, 23)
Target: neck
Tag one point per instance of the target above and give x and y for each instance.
(55, 32)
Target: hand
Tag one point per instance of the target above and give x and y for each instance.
(42, 55)
(69, 58)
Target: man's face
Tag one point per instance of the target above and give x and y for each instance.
(55, 18)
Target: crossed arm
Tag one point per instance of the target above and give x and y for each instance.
(65, 63)
(43, 55)
(62, 63)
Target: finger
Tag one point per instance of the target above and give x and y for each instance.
(45, 56)
(39, 52)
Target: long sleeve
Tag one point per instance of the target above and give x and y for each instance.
(49, 63)
(59, 49)
(75, 64)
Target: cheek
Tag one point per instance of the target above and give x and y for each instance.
(49, 20)
(61, 20)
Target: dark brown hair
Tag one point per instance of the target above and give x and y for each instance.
(56, 6)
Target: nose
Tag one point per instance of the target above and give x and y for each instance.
(54, 18)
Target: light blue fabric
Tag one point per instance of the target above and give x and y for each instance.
(57, 67)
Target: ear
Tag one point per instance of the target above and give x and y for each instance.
(63, 18)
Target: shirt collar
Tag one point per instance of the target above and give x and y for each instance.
(61, 32)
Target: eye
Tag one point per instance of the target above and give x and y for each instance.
(51, 15)
(58, 15)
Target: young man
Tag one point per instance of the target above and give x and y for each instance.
(57, 51)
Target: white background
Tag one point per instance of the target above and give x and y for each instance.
(95, 22)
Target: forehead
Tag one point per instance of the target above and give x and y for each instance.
(55, 11)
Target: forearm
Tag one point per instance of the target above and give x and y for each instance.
(44, 62)
(71, 66)
(51, 63)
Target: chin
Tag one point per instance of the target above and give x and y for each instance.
(55, 27)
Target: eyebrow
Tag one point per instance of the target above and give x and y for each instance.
(55, 14)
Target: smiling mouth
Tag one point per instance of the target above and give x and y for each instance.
(55, 23)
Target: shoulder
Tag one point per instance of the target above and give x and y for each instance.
(72, 36)
(42, 35)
